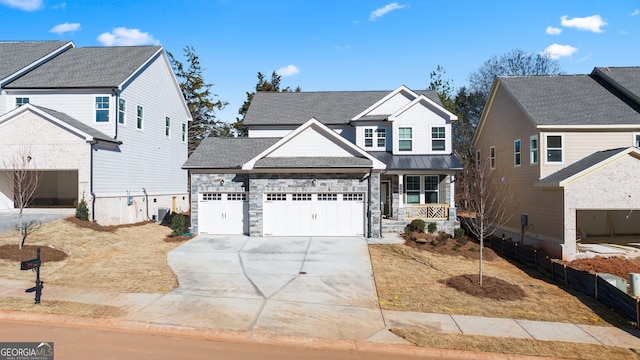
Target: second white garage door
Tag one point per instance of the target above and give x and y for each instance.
(314, 214)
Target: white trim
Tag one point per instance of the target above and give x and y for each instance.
(599, 165)
(492, 157)
(546, 149)
(519, 152)
(588, 127)
(384, 99)
(141, 127)
(531, 162)
(418, 100)
(635, 140)
(377, 164)
(13, 114)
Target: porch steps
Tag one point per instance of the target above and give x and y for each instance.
(393, 226)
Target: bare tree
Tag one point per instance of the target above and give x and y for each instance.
(488, 200)
(22, 173)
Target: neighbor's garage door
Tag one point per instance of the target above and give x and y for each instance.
(223, 213)
(314, 214)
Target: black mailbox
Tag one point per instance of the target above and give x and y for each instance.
(30, 264)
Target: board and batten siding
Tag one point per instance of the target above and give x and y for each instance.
(505, 122)
(146, 158)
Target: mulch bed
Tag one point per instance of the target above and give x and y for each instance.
(466, 247)
(492, 287)
(97, 227)
(615, 265)
(177, 239)
(11, 252)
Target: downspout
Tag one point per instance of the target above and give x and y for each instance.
(369, 223)
(116, 93)
(93, 195)
(146, 201)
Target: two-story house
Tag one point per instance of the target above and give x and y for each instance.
(105, 123)
(328, 164)
(568, 146)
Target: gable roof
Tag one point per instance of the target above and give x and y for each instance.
(18, 56)
(63, 120)
(584, 165)
(328, 107)
(88, 67)
(569, 100)
(327, 134)
(226, 153)
(625, 79)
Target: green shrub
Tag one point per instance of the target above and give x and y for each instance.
(443, 236)
(82, 211)
(432, 228)
(178, 224)
(416, 225)
(458, 233)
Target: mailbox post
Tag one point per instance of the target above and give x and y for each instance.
(34, 264)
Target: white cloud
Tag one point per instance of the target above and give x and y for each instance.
(556, 51)
(553, 30)
(62, 5)
(122, 36)
(288, 70)
(635, 12)
(385, 10)
(589, 23)
(26, 5)
(66, 27)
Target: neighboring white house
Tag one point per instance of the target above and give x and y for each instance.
(106, 123)
(328, 164)
(568, 147)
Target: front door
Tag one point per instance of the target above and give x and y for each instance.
(385, 198)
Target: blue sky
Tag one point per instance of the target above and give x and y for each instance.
(340, 44)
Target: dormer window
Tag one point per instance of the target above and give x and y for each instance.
(368, 137)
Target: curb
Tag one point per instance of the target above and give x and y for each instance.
(255, 337)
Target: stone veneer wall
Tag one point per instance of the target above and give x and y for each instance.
(258, 184)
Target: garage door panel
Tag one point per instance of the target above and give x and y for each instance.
(223, 213)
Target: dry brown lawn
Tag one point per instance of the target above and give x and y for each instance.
(409, 279)
(124, 259)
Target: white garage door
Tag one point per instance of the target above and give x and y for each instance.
(314, 214)
(223, 213)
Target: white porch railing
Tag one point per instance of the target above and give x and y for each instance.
(426, 212)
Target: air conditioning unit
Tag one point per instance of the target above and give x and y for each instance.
(164, 216)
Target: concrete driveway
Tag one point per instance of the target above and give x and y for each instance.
(307, 286)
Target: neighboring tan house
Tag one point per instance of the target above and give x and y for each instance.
(105, 123)
(328, 164)
(568, 147)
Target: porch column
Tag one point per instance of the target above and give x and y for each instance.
(400, 215)
(452, 198)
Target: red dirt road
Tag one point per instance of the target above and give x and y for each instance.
(83, 343)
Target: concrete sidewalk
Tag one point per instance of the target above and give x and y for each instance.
(310, 288)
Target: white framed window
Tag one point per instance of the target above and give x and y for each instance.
(122, 107)
(276, 197)
(102, 108)
(492, 157)
(412, 189)
(533, 149)
(327, 197)
(167, 126)
(211, 196)
(184, 132)
(431, 189)
(301, 197)
(237, 196)
(405, 139)
(554, 148)
(139, 117)
(438, 136)
(368, 137)
(359, 197)
(21, 101)
(382, 138)
(636, 140)
(517, 152)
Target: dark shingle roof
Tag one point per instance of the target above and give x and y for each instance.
(579, 166)
(313, 162)
(330, 107)
(625, 78)
(570, 100)
(17, 55)
(78, 125)
(89, 67)
(414, 162)
(226, 153)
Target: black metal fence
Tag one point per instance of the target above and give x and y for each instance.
(582, 281)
